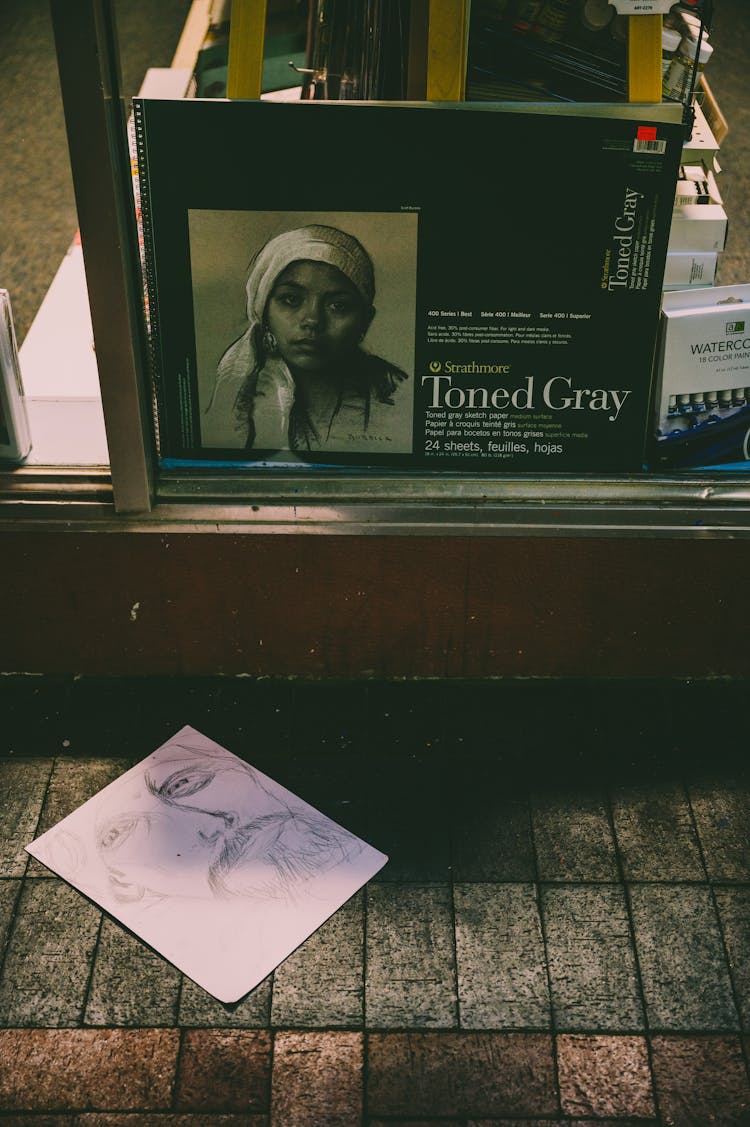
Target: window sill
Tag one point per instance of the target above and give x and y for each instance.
(81, 498)
(66, 482)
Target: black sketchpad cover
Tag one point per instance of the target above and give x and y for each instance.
(518, 256)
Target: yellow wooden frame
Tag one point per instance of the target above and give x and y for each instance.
(644, 58)
(247, 31)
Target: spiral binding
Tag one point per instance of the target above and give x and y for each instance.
(142, 200)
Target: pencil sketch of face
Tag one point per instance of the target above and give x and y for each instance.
(200, 823)
(218, 867)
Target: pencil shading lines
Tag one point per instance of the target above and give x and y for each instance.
(213, 864)
(293, 847)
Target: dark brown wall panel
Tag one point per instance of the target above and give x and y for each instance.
(372, 607)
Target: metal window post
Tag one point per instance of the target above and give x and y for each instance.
(88, 62)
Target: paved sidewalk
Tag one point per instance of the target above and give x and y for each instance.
(562, 933)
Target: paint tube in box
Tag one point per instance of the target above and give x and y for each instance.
(702, 405)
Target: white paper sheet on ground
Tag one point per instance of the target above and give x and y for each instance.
(220, 869)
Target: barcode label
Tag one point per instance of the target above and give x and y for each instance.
(640, 146)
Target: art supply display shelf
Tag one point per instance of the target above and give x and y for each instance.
(127, 490)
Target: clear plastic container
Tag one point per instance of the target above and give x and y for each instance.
(670, 43)
(685, 69)
(597, 14)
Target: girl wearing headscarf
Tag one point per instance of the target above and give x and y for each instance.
(298, 378)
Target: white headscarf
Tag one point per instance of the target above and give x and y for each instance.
(315, 243)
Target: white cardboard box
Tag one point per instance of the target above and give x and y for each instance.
(685, 268)
(698, 227)
(704, 355)
(702, 146)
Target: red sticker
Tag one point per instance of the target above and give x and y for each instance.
(646, 133)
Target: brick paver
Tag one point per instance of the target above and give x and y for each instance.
(701, 1081)
(604, 1075)
(454, 1074)
(734, 917)
(573, 837)
(23, 784)
(197, 1008)
(564, 1121)
(31, 1119)
(492, 838)
(49, 954)
(87, 1069)
(165, 1119)
(9, 893)
(655, 834)
(416, 1122)
(683, 964)
(722, 814)
(224, 1070)
(502, 977)
(591, 962)
(512, 1122)
(131, 984)
(317, 1079)
(321, 983)
(411, 974)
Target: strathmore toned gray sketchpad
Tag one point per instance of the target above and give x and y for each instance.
(217, 867)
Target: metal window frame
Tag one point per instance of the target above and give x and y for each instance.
(643, 507)
(89, 66)
(686, 505)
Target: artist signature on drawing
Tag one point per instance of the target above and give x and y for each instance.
(369, 438)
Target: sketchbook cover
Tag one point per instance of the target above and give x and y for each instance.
(518, 261)
(217, 867)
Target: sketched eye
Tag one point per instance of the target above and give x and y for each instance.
(291, 300)
(341, 306)
(183, 784)
(117, 832)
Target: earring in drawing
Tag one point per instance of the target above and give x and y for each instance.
(270, 344)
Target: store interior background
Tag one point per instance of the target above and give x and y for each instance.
(38, 207)
(568, 719)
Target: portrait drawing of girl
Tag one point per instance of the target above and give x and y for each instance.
(218, 867)
(301, 377)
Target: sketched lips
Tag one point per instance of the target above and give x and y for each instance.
(307, 344)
